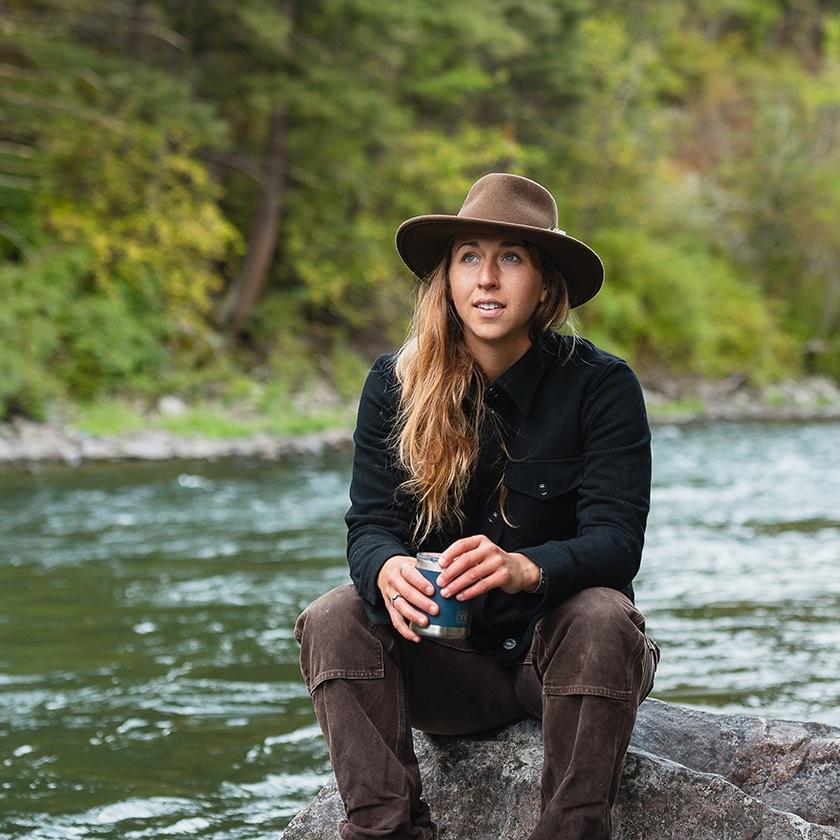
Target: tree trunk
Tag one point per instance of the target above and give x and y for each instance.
(237, 304)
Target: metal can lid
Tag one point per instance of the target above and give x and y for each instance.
(428, 560)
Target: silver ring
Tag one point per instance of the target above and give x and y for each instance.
(395, 596)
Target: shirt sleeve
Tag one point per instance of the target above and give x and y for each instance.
(614, 496)
(379, 521)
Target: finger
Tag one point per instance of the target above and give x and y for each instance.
(413, 576)
(408, 614)
(410, 611)
(414, 596)
(459, 547)
(414, 588)
(469, 577)
(401, 625)
(466, 561)
(493, 581)
(404, 578)
(490, 564)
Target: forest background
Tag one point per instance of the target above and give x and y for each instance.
(199, 197)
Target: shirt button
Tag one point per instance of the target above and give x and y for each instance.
(493, 516)
(543, 490)
(491, 392)
(509, 644)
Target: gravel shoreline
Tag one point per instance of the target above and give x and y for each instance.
(25, 443)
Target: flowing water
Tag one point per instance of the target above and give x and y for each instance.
(149, 684)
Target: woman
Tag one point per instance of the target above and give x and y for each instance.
(523, 456)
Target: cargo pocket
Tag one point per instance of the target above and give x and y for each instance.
(337, 640)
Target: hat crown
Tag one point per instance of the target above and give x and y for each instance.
(511, 199)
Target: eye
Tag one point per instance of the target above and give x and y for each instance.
(469, 257)
(511, 257)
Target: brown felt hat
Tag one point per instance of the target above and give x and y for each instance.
(498, 203)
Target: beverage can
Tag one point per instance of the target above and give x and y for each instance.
(455, 617)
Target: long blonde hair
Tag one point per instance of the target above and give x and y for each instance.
(441, 411)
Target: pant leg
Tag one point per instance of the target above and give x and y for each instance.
(369, 686)
(589, 667)
(352, 671)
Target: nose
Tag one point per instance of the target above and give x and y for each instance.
(487, 275)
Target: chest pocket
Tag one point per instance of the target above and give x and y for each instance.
(542, 497)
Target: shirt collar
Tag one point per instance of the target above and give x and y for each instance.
(521, 380)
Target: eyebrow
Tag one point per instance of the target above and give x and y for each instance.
(505, 244)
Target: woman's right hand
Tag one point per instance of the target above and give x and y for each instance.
(399, 576)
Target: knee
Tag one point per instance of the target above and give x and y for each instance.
(329, 614)
(604, 607)
(591, 644)
(337, 639)
(597, 617)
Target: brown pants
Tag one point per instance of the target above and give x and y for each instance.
(589, 667)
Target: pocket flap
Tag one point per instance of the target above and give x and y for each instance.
(544, 479)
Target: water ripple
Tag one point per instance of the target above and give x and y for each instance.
(150, 684)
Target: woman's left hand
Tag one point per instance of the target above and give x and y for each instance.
(476, 564)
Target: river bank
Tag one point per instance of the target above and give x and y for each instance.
(673, 402)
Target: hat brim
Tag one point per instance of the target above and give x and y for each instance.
(422, 241)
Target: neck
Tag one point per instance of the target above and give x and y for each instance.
(494, 361)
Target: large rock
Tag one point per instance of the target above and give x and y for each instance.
(688, 774)
(789, 765)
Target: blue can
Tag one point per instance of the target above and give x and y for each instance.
(455, 617)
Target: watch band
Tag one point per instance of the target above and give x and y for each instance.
(540, 587)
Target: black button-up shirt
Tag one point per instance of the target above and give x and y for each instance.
(577, 477)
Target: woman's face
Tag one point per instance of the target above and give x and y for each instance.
(495, 287)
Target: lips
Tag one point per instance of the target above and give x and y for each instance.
(488, 310)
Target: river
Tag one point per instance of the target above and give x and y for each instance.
(149, 684)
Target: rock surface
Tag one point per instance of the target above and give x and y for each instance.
(688, 774)
(789, 765)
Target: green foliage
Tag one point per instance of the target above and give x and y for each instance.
(120, 239)
(349, 371)
(696, 146)
(35, 295)
(653, 313)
